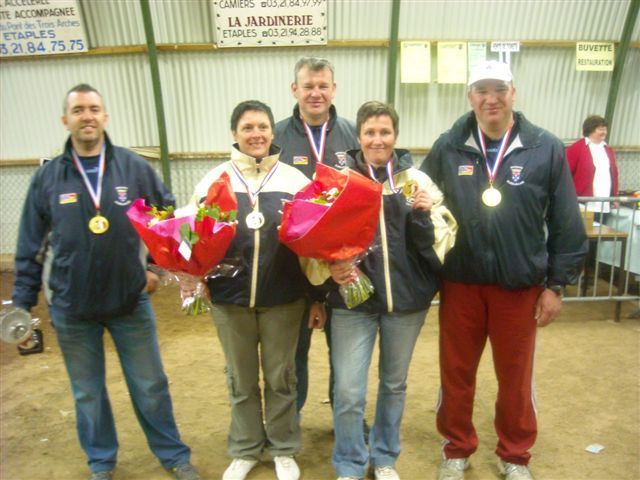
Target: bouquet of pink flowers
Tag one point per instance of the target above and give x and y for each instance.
(334, 218)
(189, 242)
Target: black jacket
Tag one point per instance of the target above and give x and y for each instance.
(409, 246)
(91, 275)
(535, 235)
(269, 272)
(291, 136)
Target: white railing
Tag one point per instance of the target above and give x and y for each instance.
(612, 268)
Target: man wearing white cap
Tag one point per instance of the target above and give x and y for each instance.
(520, 240)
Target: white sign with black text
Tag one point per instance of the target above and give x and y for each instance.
(40, 27)
(268, 23)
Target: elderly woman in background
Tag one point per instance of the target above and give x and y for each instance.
(415, 232)
(593, 164)
(257, 312)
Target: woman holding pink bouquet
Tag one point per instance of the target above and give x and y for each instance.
(257, 310)
(415, 231)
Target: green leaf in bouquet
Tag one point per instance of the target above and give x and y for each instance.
(232, 215)
(214, 212)
(188, 235)
(326, 197)
(161, 213)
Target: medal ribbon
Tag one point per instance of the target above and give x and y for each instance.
(491, 172)
(95, 194)
(317, 152)
(389, 167)
(254, 195)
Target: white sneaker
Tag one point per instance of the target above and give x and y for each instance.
(286, 468)
(349, 478)
(453, 468)
(385, 473)
(239, 469)
(513, 471)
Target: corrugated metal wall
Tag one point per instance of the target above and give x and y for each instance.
(550, 92)
(205, 87)
(201, 87)
(33, 91)
(513, 19)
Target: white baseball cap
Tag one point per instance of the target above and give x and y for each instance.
(490, 70)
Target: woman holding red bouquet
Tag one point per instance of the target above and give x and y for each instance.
(414, 233)
(257, 311)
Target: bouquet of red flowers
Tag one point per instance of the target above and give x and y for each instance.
(334, 218)
(191, 241)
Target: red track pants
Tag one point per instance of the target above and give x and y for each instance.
(468, 315)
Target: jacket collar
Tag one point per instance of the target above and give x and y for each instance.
(462, 135)
(401, 161)
(68, 147)
(298, 119)
(248, 166)
(589, 142)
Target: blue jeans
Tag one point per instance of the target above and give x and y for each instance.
(136, 341)
(353, 335)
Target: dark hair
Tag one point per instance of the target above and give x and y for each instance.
(591, 123)
(314, 64)
(250, 106)
(376, 109)
(80, 88)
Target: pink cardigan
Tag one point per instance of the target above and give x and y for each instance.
(583, 170)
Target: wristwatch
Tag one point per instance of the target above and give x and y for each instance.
(557, 289)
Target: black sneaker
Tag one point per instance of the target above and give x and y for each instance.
(186, 471)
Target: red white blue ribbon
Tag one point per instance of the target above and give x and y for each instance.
(389, 168)
(317, 152)
(253, 196)
(97, 193)
(491, 172)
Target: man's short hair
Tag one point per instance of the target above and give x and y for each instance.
(591, 123)
(376, 109)
(250, 106)
(315, 64)
(80, 88)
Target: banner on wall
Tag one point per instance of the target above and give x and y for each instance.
(452, 62)
(476, 53)
(595, 56)
(270, 23)
(40, 27)
(415, 62)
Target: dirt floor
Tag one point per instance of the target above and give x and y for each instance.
(587, 377)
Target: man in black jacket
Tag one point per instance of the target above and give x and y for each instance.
(520, 240)
(97, 281)
(314, 133)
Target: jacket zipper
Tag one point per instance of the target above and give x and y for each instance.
(254, 264)
(385, 259)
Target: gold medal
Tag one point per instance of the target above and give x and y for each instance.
(255, 220)
(491, 197)
(99, 224)
(409, 190)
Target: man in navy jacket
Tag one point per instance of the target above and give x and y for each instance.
(313, 134)
(520, 241)
(78, 202)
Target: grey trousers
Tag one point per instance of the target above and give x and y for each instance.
(250, 338)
